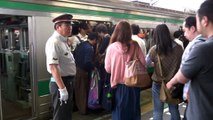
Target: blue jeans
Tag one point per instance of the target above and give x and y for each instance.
(159, 106)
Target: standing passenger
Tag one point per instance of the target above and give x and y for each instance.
(84, 55)
(103, 42)
(177, 35)
(191, 33)
(198, 68)
(61, 65)
(74, 40)
(170, 54)
(121, 50)
(83, 30)
(194, 37)
(135, 31)
(101, 47)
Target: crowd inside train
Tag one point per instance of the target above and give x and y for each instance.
(88, 66)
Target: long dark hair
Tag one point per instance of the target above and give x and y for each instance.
(122, 33)
(162, 39)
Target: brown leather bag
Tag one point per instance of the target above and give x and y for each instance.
(136, 74)
(165, 94)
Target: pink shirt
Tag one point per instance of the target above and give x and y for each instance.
(116, 58)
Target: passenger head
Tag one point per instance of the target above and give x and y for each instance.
(204, 18)
(92, 38)
(101, 29)
(83, 28)
(62, 24)
(177, 34)
(135, 29)
(189, 28)
(162, 39)
(75, 28)
(122, 33)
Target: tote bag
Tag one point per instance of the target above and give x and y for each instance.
(136, 74)
(93, 97)
(165, 95)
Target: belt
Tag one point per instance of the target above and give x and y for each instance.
(67, 77)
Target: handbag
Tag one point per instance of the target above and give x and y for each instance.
(178, 91)
(135, 73)
(93, 97)
(165, 94)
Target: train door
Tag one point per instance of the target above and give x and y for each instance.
(15, 80)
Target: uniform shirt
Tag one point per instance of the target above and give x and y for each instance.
(58, 52)
(199, 68)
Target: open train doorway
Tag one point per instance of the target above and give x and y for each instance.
(15, 81)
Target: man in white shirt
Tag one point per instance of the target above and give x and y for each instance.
(176, 35)
(141, 42)
(61, 65)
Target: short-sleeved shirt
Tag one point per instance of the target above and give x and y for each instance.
(141, 43)
(198, 39)
(199, 68)
(58, 52)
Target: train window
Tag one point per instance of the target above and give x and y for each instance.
(13, 32)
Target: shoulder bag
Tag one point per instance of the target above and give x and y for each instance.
(135, 73)
(165, 94)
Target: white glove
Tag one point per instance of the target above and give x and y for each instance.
(63, 95)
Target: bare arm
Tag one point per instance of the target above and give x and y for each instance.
(56, 75)
(178, 78)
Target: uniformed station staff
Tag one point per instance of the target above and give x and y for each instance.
(61, 64)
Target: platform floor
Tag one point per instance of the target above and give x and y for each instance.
(146, 107)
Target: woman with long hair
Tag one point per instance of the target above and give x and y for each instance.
(121, 50)
(169, 54)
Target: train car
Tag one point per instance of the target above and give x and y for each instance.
(25, 26)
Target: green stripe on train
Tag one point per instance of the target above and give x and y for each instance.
(49, 8)
(43, 87)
